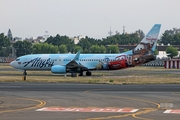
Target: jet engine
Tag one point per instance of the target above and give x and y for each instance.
(58, 69)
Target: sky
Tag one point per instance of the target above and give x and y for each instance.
(92, 18)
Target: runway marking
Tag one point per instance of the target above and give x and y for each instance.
(78, 109)
(41, 104)
(134, 115)
(172, 111)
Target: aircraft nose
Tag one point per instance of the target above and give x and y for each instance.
(12, 63)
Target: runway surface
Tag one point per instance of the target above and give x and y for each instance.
(73, 101)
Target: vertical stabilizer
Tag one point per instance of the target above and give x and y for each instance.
(150, 40)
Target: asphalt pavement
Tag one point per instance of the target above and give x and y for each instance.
(75, 101)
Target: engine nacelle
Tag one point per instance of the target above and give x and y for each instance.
(58, 69)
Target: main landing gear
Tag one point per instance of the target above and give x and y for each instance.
(88, 73)
(81, 73)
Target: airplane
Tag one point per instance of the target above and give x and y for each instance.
(78, 63)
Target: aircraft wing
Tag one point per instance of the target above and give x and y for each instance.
(75, 65)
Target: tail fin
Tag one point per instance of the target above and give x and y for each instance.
(150, 40)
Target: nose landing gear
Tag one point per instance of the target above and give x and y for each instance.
(24, 75)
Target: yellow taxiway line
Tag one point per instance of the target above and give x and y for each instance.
(145, 111)
(41, 103)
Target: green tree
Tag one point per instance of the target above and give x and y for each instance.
(123, 39)
(166, 38)
(156, 52)
(77, 48)
(95, 49)
(27, 47)
(53, 49)
(113, 49)
(5, 49)
(102, 49)
(61, 40)
(22, 48)
(171, 36)
(87, 42)
(62, 49)
(44, 48)
(172, 51)
(37, 48)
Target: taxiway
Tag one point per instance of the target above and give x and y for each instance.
(73, 101)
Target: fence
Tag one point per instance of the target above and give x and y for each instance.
(173, 63)
(6, 59)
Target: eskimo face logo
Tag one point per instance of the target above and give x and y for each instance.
(38, 62)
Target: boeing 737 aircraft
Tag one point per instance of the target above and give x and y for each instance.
(77, 63)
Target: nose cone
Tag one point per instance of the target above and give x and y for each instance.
(12, 64)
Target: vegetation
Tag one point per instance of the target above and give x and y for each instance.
(151, 75)
(171, 37)
(63, 44)
(172, 51)
(22, 48)
(97, 49)
(62, 40)
(62, 49)
(44, 48)
(113, 49)
(5, 49)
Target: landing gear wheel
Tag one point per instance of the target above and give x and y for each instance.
(88, 73)
(25, 73)
(81, 74)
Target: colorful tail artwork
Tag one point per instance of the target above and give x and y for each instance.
(144, 51)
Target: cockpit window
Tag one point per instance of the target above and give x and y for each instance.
(17, 59)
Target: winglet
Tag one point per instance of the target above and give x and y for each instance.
(77, 55)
